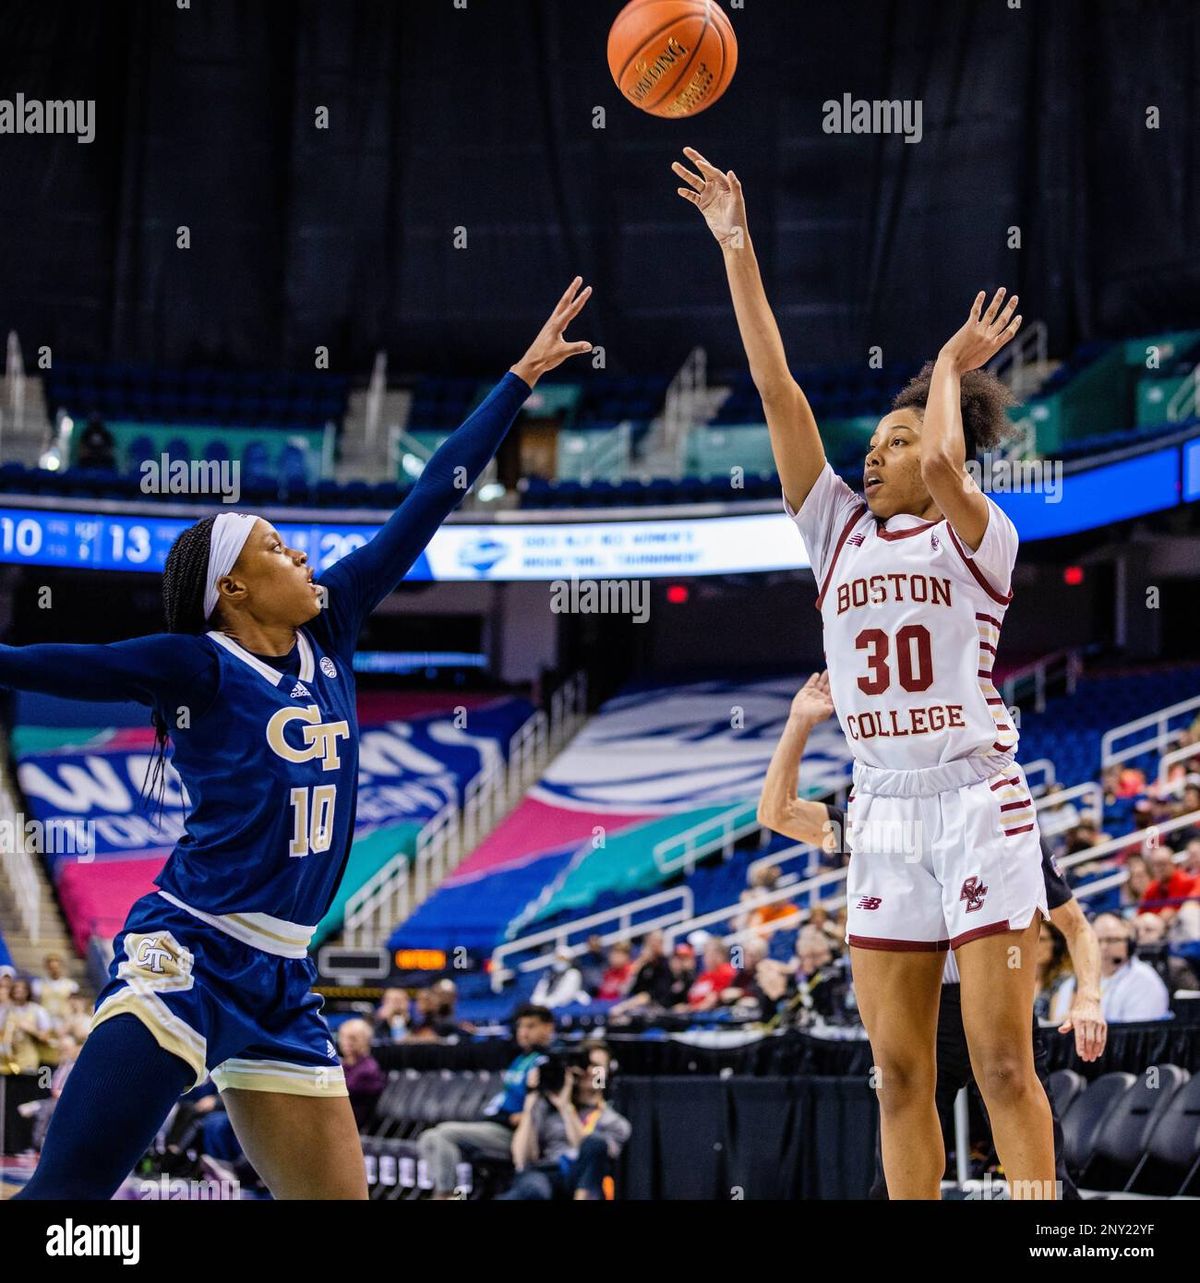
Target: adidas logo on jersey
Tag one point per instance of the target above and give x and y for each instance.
(300, 691)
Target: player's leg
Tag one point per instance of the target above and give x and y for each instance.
(303, 1147)
(115, 1099)
(898, 997)
(998, 978)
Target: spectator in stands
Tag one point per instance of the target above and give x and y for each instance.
(683, 972)
(717, 976)
(560, 984)
(437, 1014)
(820, 980)
(1189, 803)
(391, 1016)
(28, 1030)
(68, 1053)
(1133, 889)
(442, 1146)
(1150, 932)
(55, 988)
(568, 1142)
(1130, 989)
(1053, 968)
(365, 1079)
(96, 446)
(619, 975)
(1170, 885)
(1084, 836)
(593, 964)
(78, 1020)
(744, 993)
(761, 913)
(652, 980)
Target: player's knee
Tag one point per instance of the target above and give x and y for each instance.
(903, 1078)
(1004, 1076)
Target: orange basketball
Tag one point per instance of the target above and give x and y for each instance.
(672, 58)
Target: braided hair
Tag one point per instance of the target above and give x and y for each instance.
(184, 579)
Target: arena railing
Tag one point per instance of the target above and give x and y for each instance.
(1115, 846)
(397, 889)
(1067, 664)
(612, 925)
(720, 832)
(19, 868)
(1048, 801)
(1181, 754)
(1111, 755)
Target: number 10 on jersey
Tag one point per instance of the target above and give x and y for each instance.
(312, 820)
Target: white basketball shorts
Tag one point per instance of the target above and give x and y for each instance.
(941, 856)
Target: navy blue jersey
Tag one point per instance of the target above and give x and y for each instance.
(267, 748)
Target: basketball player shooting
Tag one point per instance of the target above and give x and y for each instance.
(914, 580)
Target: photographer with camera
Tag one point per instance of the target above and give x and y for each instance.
(569, 1137)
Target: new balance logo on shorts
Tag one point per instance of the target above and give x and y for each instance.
(972, 892)
(870, 901)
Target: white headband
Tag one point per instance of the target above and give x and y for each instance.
(229, 534)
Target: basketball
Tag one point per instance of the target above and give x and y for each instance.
(672, 58)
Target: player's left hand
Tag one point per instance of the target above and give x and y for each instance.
(813, 702)
(550, 349)
(985, 332)
(1091, 1029)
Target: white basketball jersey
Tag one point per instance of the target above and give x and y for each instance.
(912, 621)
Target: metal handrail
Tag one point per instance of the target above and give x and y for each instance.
(559, 936)
(729, 833)
(1110, 757)
(1039, 670)
(1168, 760)
(1046, 767)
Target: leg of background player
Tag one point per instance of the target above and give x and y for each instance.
(898, 995)
(998, 975)
(116, 1097)
(301, 1146)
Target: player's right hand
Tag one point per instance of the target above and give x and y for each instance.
(717, 196)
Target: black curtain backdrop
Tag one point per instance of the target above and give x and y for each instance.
(482, 118)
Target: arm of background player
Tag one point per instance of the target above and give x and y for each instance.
(779, 807)
(164, 670)
(1084, 1016)
(943, 443)
(359, 582)
(795, 439)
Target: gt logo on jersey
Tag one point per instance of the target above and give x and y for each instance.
(151, 954)
(870, 901)
(320, 738)
(972, 892)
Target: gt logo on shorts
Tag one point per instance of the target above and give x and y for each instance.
(972, 892)
(870, 901)
(150, 953)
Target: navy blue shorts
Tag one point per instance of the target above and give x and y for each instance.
(248, 1017)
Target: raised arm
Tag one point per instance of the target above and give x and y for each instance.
(164, 670)
(795, 439)
(781, 808)
(943, 443)
(359, 582)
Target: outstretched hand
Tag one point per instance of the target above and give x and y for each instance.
(984, 333)
(550, 349)
(717, 196)
(813, 703)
